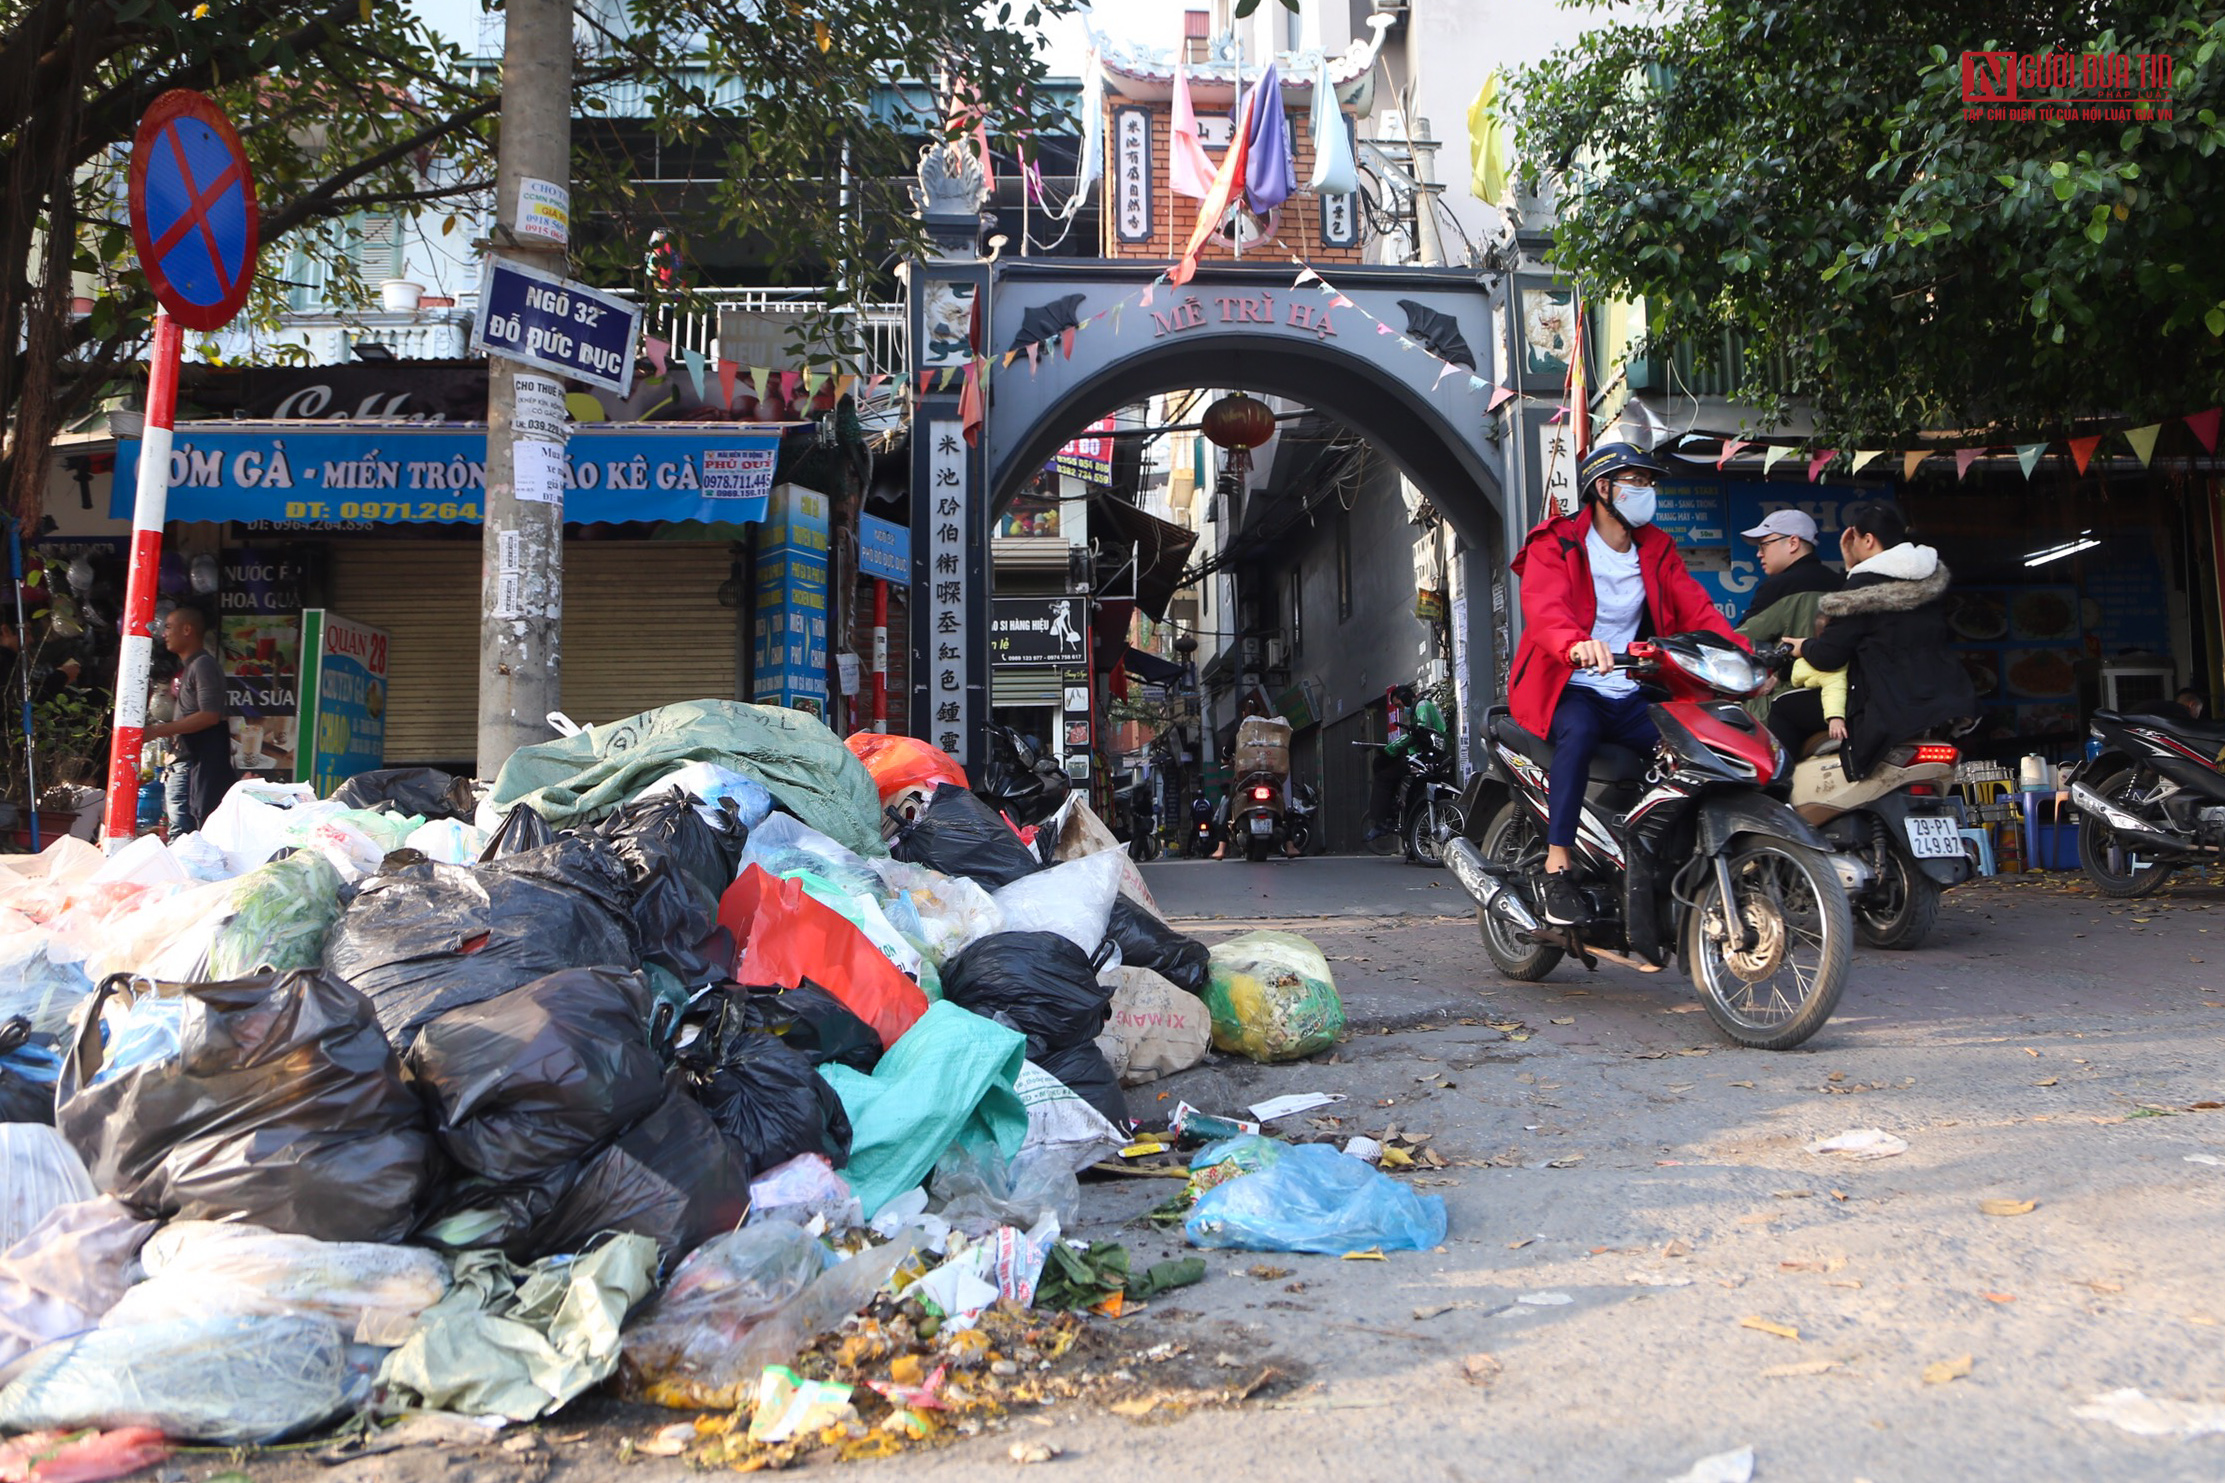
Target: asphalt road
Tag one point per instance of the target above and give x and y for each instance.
(1652, 1264)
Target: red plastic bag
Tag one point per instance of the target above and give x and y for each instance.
(787, 937)
(900, 762)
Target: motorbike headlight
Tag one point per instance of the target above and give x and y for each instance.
(1732, 671)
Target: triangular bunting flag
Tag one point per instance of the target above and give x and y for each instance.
(656, 350)
(1066, 345)
(1864, 457)
(811, 381)
(788, 380)
(1447, 369)
(729, 374)
(1964, 457)
(1305, 276)
(1340, 302)
(1730, 450)
(2082, 451)
(698, 367)
(2205, 427)
(873, 384)
(1032, 349)
(1815, 464)
(1404, 343)
(2028, 456)
(1476, 383)
(761, 376)
(1382, 328)
(1148, 290)
(842, 384)
(1009, 357)
(1769, 459)
(1499, 396)
(2142, 440)
(942, 383)
(1910, 459)
(1116, 318)
(924, 378)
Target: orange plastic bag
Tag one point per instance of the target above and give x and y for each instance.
(900, 762)
(787, 937)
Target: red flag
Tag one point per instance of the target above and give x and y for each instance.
(1189, 168)
(1816, 464)
(1225, 184)
(728, 374)
(2204, 425)
(2082, 450)
(1066, 343)
(788, 380)
(969, 406)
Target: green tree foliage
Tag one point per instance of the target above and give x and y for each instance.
(1804, 173)
(354, 105)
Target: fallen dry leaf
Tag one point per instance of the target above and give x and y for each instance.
(2047, 1083)
(2103, 1285)
(1998, 1297)
(1763, 1325)
(1372, 1254)
(1518, 1245)
(1481, 1369)
(1268, 1274)
(1135, 1408)
(1804, 1367)
(2007, 1207)
(1564, 1022)
(1942, 1371)
(1025, 1452)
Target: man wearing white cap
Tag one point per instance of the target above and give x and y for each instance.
(1786, 542)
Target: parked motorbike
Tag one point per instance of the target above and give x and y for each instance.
(1692, 851)
(1899, 823)
(1304, 815)
(1204, 833)
(1135, 819)
(1259, 819)
(2151, 800)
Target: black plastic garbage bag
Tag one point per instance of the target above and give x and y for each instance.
(1083, 1069)
(521, 830)
(425, 791)
(530, 1080)
(283, 1106)
(437, 937)
(678, 863)
(813, 1021)
(961, 835)
(1037, 982)
(1015, 778)
(673, 1177)
(28, 1068)
(1147, 942)
(468, 1212)
(764, 1095)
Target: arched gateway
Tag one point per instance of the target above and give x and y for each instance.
(1405, 357)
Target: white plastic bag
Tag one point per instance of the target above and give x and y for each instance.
(1075, 900)
(712, 784)
(69, 1270)
(1060, 1122)
(236, 1380)
(207, 1269)
(146, 861)
(168, 938)
(38, 1172)
(36, 986)
(801, 1189)
(199, 857)
(450, 841)
(954, 912)
(252, 822)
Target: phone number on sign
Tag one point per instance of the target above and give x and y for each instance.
(376, 510)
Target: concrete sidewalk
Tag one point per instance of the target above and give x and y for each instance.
(1322, 886)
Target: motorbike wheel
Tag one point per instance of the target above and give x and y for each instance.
(2108, 864)
(1780, 991)
(1899, 911)
(1255, 849)
(1424, 823)
(1512, 837)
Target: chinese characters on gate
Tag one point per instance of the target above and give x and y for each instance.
(949, 668)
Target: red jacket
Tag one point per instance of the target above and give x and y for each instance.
(1559, 607)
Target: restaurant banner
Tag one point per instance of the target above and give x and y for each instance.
(390, 474)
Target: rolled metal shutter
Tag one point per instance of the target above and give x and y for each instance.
(642, 627)
(1025, 684)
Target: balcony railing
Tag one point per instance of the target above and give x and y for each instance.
(881, 328)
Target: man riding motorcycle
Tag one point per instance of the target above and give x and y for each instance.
(1592, 583)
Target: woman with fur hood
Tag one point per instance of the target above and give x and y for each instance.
(1888, 629)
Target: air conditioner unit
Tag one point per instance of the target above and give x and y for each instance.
(1251, 652)
(1278, 654)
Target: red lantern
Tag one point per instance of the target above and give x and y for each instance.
(1239, 422)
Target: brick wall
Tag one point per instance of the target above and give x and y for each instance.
(1174, 217)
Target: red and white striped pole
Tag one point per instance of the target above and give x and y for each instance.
(135, 658)
(880, 654)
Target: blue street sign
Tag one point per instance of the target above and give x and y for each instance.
(555, 324)
(884, 550)
(193, 216)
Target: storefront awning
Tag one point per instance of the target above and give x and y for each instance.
(318, 473)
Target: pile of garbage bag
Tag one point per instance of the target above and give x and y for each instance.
(664, 1055)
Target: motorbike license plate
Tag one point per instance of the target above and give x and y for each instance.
(1934, 838)
(1261, 824)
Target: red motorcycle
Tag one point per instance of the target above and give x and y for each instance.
(1692, 851)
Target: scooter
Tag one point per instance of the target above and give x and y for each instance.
(1204, 834)
(1691, 851)
(1899, 823)
(1305, 809)
(1258, 819)
(2152, 799)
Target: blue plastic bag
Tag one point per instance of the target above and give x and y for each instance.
(1313, 1199)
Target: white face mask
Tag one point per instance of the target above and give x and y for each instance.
(1634, 502)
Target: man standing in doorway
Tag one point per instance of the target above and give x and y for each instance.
(202, 707)
(1786, 543)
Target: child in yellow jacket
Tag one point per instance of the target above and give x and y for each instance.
(1815, 702)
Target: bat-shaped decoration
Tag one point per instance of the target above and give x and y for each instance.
(1438, 332)
(1048, 321)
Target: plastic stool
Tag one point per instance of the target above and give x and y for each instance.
(1984, 851)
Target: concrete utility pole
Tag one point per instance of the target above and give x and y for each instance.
(521, 571)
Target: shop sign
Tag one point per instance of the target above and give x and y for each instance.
(387, 474)
(1090, 456)
(1132, 174)
(1038, 630)
(567, 328)
(342, 718)
(884, 550)
(948, 511)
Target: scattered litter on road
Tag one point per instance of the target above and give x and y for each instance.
(2145, 1416)
(1723, 1467)
(1481, 1369)
(1939, 1372)
(2007, 1207)
(1275, 1108)
(2205, 1158)
(1862, 1143)
(1545, 1299)
(1802, 1367)
(1769, 1326)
